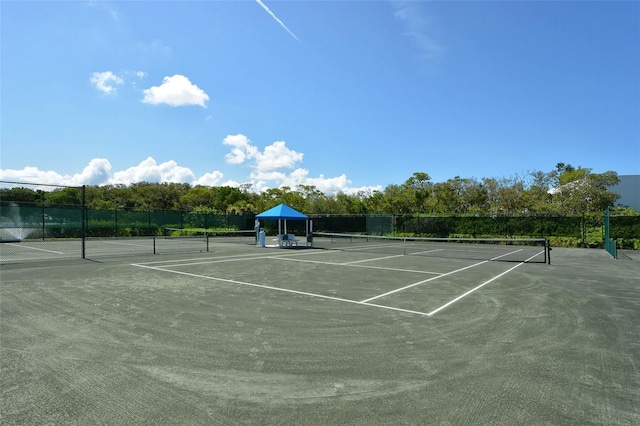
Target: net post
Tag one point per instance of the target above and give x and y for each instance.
(547, 251)
(206, 237)
(154, 244)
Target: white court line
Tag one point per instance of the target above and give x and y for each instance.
(480, 286)
(365, 302)
(284, 290)
(443, 275)
(366, 247)
(351, 265)
(511, 252)
(281, 257)
(423, 252)
(202, 258)
(421, 282)
(21, 245)
(373, 259)
(221, 259)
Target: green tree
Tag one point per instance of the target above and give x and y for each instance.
(511, 196)
(225, 196)
(420, 185)
(398, 199)
(65, 196)
(579, 190)
(22, 195)
(198, 196)
(537, 197)
(374, 203)
(449, 196)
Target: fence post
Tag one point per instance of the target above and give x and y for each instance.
(84, 222)
(584, 231)
(609, 244)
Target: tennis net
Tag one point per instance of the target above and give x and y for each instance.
(214, 236)
(531, 250)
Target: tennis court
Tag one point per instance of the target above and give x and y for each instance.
(237, 334)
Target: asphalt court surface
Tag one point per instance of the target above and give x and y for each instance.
(390, 282)
(248, 335)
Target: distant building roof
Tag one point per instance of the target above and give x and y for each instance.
(629, 191)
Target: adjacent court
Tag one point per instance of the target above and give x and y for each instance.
(237, 334)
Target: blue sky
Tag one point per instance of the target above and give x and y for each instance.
(342, 95)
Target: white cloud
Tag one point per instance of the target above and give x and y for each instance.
(150, 171)
(175, 91)
(275, 166)
(210, 179)
(277, 156)
(105, 81)
(269, 167)
(33, 174)
(242, 149)
(97, 172)
(231, 183)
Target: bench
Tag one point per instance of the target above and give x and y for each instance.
(287, 240)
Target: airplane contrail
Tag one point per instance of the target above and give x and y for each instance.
(264, 6)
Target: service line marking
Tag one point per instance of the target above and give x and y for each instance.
(22, 245)
(442, 275)
(479, 287)
(421, 282)
(353, 265)
(221, 259)
(373, 259)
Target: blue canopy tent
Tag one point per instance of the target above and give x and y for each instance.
(282, 213)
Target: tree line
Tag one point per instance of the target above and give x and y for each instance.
(564, 190)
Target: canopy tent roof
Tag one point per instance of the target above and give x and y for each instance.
(282, 212)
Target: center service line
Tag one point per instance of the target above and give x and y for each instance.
(421, 282)
(480, 286)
